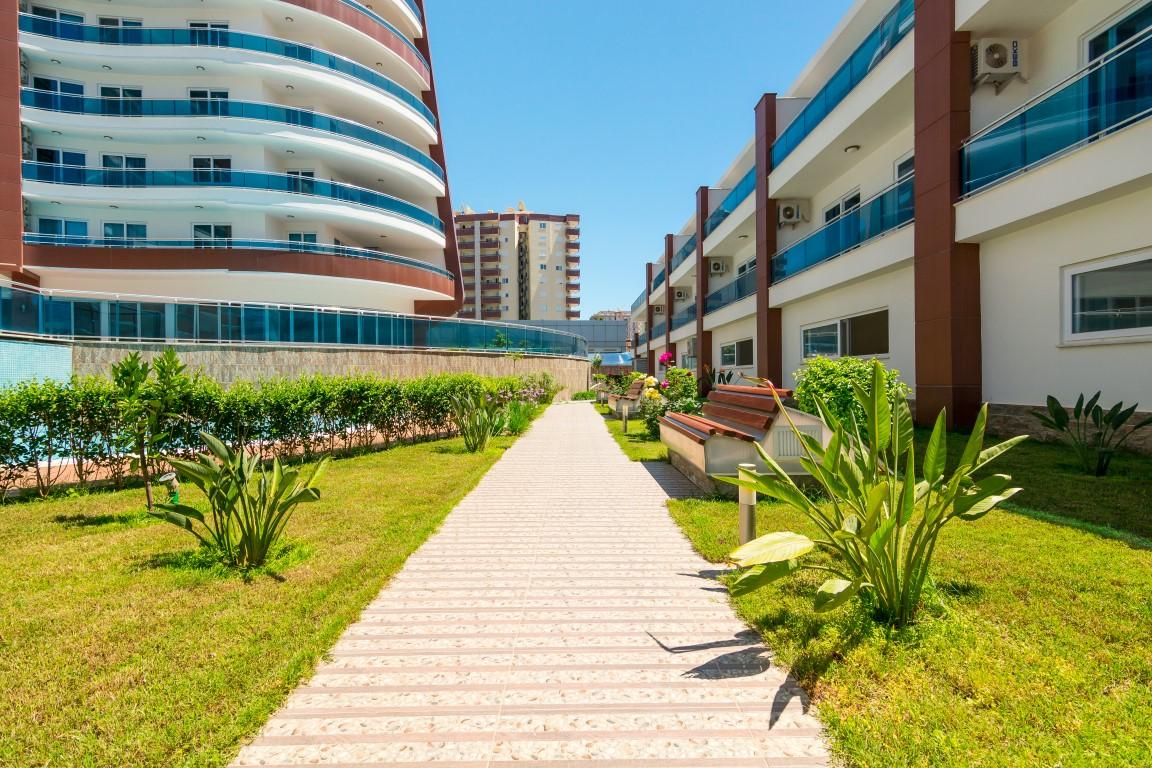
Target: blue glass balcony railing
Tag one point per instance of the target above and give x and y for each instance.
(684, 316)
(245, 110)
(684, 252)
(883, 213)
(1110, 94)
(272, 182)
(863, 60)
(320, 249)
(643, 297)
(740, 288)
(225, 38)
(659, 330)
(365, 10)
(29, 312)
(738, 194)
(642, 340)
(658, 279)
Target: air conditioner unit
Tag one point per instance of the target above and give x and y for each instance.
(683, 294)
(793, 212)
(24, 76)
(657, 309)
(25, 142)
(996, 61)
(717, 267)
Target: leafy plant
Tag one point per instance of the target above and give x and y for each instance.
(478, 416)
(1094, 434)
(719, 376)
(834, 381)
(597, 362)
(585, 395)
(880, 526)
(250, 505)
(519, 416)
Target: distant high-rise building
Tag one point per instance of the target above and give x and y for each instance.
(519, 265)
(612, 314)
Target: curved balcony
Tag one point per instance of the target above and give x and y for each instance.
(238, 244)
(200, 109)
(35, 313)
(230, 39)
(363, 19)
(253, 180)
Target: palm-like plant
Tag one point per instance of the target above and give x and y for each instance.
(478, 416)
(880, 525)
(1095, 435)
(250, 504)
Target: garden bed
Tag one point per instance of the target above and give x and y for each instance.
(119, 647)
(637, 444)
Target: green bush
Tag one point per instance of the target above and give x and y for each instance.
(479, 417)
(519, 416)
(585, 395)
(834, 382)
(678, 393)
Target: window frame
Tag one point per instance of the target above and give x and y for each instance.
(1068, 274)
(735, 347)
(839, 323)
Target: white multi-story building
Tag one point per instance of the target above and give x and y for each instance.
(957, 187)
(519, 265)
(284, 152)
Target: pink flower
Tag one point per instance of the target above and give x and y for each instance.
(664, 385)
(666, 358)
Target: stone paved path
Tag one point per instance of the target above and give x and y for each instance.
(559, 617)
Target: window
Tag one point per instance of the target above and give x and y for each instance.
(504, 281)
(747, 266)
(64, 228)
(212, 235)
(60, 95)
(303, 182)
(207, 32)
(52, 13)
(299, 241)
(738, 354)
(121, 100)
(111, 21)
(207, 101)
(53, 85)
(209, 170)
(905, 166)
(121, 233)
(124, 170)
(543, 266)
(1111, 300)
(543, 225)
(857, 336)
(846, 204)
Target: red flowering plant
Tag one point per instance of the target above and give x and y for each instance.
(666, 359)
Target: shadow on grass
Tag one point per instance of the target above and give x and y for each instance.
(94, 521)
(209, 563)
(1104, 531)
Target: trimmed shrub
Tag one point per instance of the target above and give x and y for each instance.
(834, 382)
(585, 395)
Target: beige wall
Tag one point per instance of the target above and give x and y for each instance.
(230, 364)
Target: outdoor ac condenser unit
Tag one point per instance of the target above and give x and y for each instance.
(793, 212)
(996, 61)
(717, 267)
(657, 309)
(683, 294)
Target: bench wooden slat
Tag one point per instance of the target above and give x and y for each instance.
(691, 433)
(715, 427)
(751, 390)
(756, 419)
(763, 402)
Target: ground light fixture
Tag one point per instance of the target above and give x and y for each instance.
(170, 480)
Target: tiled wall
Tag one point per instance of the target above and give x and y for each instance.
(29, 361)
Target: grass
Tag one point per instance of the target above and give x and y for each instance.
(636, 444)
(121, 645)
(1035, 649)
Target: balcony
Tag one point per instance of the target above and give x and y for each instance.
(738, 194)
(572, 314)
(1107, 96)
(658, 279)
(659, 330)
(740, 288)
(881, 214)
(572, 245)
(684, 317)
(27, 311)
(320, 249)
(572, 287)
(489, 244)
(640, 300)
(684, 252)
(225, 38)
(49, 173)
(572, 273)
(489, 258)
(573, 232)
(863, 60)
(395, 40)
(641, 339)
(572, 301)
(197, 109)
(489, 230)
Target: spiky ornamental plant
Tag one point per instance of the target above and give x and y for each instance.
(880, 524)
(1095, 435)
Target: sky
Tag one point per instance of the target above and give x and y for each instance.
(616, 110)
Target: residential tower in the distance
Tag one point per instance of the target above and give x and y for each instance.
(519, 265)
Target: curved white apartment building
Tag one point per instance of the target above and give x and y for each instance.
(960, 188)
(271, 151)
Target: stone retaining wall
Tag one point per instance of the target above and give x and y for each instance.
(228, 364)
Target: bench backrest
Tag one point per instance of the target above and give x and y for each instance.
(635, 389)
(747, 407)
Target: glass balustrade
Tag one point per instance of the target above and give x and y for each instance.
(684, 252)
(737, 195)
(259, 180)
(889, 210)
(658, 279)
(879, 43)
(643, 297)
(225, 38)
(245, 110)
(366, 11)
(659, 331)
(1108, 95)
(684, 316)
(321, 249)
(642, 340)
(29, 312)
(740, 288)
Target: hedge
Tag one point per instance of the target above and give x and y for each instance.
(44, 424)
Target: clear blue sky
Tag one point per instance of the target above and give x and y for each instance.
(613, 109)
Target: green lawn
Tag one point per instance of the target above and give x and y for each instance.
(637, 445)
(114, 651)
(1035, 651)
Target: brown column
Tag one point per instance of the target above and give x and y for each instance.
(703, 338)
(769, 341)
(443, 204)
(947, 273)
(11, 198)
(651, 362)
(669, 303)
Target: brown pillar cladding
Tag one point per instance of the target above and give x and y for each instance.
(703, 338)
(669, 299)
(11, 198)
(651, 362)
(769, 341)
(443, 204)
(947, 273)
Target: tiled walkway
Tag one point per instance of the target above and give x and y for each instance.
(559, 617)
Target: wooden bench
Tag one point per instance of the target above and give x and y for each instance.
(734, 419)
(631, 398)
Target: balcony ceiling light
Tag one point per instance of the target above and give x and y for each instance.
(200, 207)
(291, 151)
(290, 87)
(743, 237)
(201, 138)
(107, 67)
(289, 19)
(108, 138)
(851, 148)
(200, 68)
(55, 61)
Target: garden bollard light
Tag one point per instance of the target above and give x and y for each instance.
(169, 479)
(747, 506)
(624, 416)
